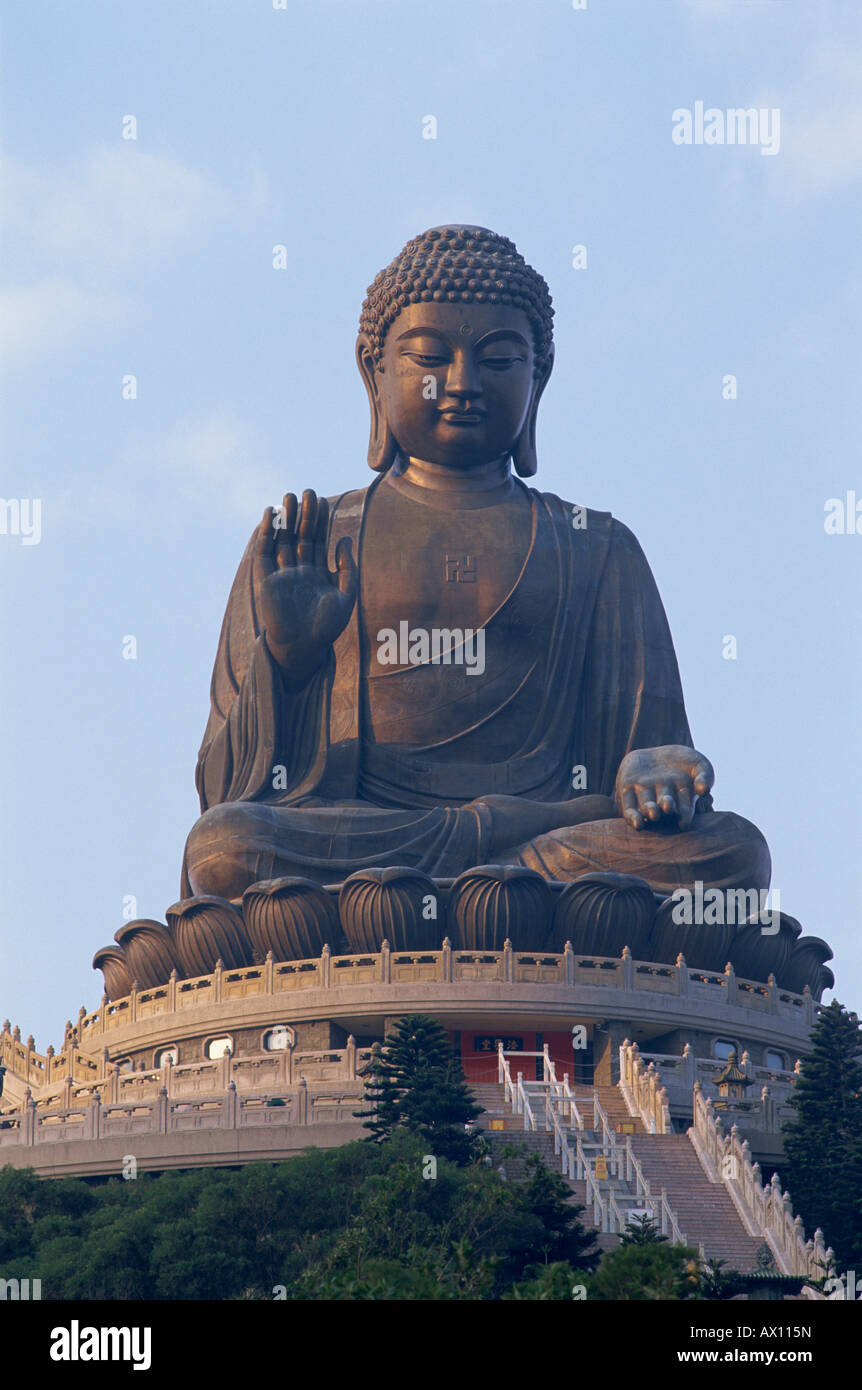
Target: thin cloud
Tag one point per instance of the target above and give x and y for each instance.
(210, 460)
(53, 316)
(91, 222)
(821, 118)
(115, 208)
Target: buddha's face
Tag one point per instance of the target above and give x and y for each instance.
(457, 381)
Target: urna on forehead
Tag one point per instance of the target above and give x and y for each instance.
(458, 263)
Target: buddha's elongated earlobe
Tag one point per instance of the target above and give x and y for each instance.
(524, 453)
(382, 444)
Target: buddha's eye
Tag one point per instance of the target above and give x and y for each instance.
(426, 359)
(500, 364)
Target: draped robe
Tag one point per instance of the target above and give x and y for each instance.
(295, 782)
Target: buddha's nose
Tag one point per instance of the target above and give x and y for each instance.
(462, 379)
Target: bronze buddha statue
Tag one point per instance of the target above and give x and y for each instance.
(352, 721)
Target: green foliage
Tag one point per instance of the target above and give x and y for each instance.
(551, 1283)
(417, 1083)
(823, 1142)
(717, 1282)
(646, 1272)
(358, 1222)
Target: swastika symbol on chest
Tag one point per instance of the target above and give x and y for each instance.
(461, 569)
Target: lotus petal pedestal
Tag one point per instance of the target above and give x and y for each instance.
(496, 902)
(205, 930)
(399, 905)
(292, 917)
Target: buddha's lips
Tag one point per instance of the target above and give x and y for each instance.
(462, 417)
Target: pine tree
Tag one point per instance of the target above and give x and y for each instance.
(823, 1143)
(548, 1198)
(642, 1230)
(380, 1096)
(417, 1083)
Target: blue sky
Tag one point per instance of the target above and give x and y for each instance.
(303, 127)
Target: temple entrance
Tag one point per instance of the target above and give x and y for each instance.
(478, 1051)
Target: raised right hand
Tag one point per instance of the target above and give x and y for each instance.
(302, 606)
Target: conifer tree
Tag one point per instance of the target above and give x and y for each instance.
(642, 1230)
(380, 1096)
(823, 1143)
(417, 1083)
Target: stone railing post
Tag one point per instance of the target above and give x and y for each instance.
(626, 1062)
(385, 963)
(218, 974)
(226, 1068)
(810, 1006)
(681, 975)
(133, 1002)
(689, 1065)
(569, 963)
(103, 1010)
(302, 1102)
(28, 1056)
(269, 973)
(666, 1125)
(325, 965)
(730, 983)
(446, 961)
(287, 1066)
(67, 1092)
(774, 1203)
(166, 1069)
(507, 960)
(229, 1114)
(172, 991)
(30, 1127)
(628, 969)
(350, 1059)
(773, 993)
(95, 1117)
(799, 1251)
(696, 1105)
(161, 1115)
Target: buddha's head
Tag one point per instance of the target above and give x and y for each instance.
(455, 348)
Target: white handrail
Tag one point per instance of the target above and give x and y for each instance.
(575, 1163)
(524, 1106)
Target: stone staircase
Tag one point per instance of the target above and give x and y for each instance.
(527, 1142)
(704, 1210)
(614, 1106)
